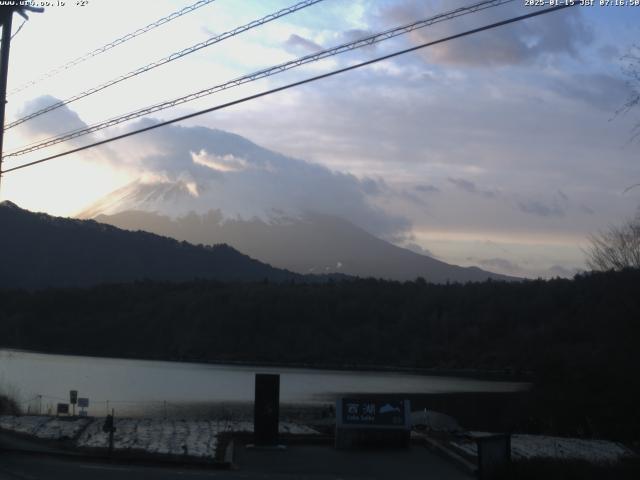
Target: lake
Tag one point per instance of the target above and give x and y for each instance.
(143, 387)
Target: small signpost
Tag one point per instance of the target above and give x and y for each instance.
(83, 403)
(73, 399)
(62, 409)
(372, 421)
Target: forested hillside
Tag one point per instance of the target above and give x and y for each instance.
(41, 251)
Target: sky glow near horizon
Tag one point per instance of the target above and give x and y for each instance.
(502, 150)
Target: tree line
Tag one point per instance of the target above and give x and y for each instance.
(577, 339)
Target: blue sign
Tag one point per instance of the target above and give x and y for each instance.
(373, 412)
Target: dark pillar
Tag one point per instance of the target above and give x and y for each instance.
(266, 409)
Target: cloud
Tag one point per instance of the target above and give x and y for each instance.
(229, 172)
(413, 198)
(420, 250)
(499, 133)
(563, 196)
(58, 122)
(609, 52)
(509, 267)
(221, 163)
(53, 123)
(207, 31)
(536, 207)
(426, 188)
(300, 45)
(502, 265)
(471, 187)
(415, 194)
(222, 170)
(520, 43)
(557, 206)
(600, 90)
(356, 34)
(584, 209)
(297, 44)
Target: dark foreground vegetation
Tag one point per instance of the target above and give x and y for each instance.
(8, 406)
(579, 339)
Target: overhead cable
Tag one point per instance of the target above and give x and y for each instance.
(314, 57)
(169, 58)
(118, 41)
(292, 85)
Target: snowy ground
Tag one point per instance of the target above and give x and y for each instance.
(49, 428)
(542, 446)
(199, 438)
(192, 438)
(195, 438)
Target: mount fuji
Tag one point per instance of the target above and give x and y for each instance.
(208, 186)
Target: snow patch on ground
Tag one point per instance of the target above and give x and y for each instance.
(435, 421)
(49, 428)
(542, 446)
(192, 438)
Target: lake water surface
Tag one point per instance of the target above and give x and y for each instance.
(142, 387)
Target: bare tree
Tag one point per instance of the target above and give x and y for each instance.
(631, 69)
(617, 248)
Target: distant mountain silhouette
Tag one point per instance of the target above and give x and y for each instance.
(39, 250)
(313, 243)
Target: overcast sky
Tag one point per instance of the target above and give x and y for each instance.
(501, 150)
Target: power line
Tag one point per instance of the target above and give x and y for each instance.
(294, 84)
(18, 30)
(118, 41)
(382, 36)
(314, 57)
(16, 33)
(43, 143)
(169, 58)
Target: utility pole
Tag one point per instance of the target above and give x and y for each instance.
(6, 17)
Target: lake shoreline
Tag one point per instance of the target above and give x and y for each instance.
(468, 373)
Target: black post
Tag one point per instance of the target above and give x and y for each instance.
(109, 427)
(266, 409)
(111, 442)
(7, 17)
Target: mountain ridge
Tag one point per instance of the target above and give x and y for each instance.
(46, 251)
(313, 243)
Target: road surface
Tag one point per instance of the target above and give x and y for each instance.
(297, 462)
